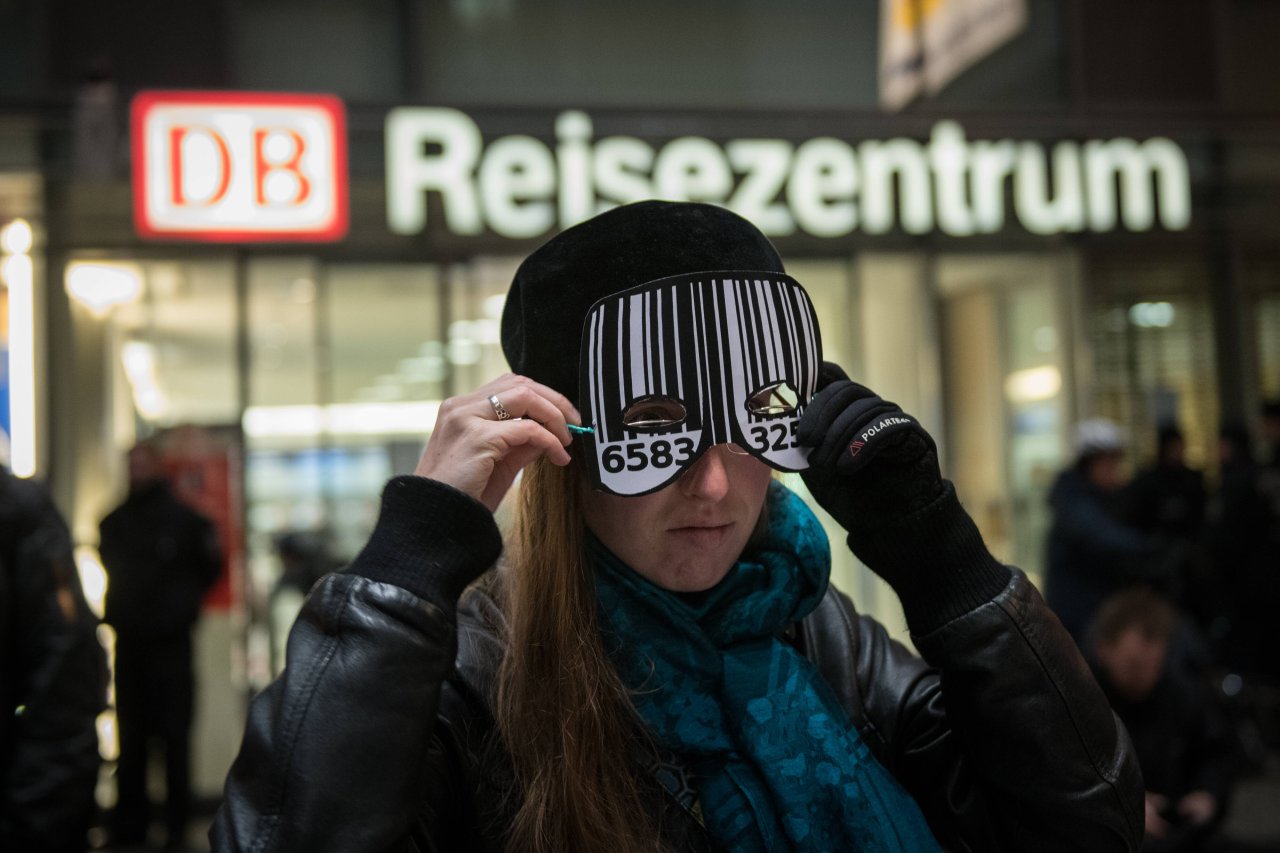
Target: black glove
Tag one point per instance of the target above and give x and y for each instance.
(870, 460)
(875, 469)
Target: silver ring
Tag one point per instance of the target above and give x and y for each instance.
(499, 409)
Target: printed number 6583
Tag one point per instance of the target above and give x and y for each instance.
(661, 453)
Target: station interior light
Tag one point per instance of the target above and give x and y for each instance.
(1033, 384)
(1152, 315)
(18, 276)
(16, 238)
(139, 361)
(99, 286)
(342, 419)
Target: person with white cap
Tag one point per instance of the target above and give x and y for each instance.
(1091, 552)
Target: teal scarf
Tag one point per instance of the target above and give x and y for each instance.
(777, 764)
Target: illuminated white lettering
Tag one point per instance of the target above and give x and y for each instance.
(692, 169)
(949, 157)
(1045, 211)
(763, 165)
(992, 162)
(1136, 165)
(411, 172)
(517, 182)
(573, 156)
(519, 186)
(881, 161)
(822, 186)
(621, 170)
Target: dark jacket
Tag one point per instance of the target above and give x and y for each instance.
(1168, 500)
(377, 735)
(1244, 563)
(52, 679)
(1183, 740)
(161, 556)
(1091, 552)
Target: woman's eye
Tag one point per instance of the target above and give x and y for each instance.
(653, 412)
(778, 398)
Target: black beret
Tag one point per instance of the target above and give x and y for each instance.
(556, 286)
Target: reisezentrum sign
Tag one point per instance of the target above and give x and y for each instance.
(519, 186)
(245, 166)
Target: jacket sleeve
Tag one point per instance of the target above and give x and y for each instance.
(1008, 744)
(56, 686)
(1000, 732)
(343, 751)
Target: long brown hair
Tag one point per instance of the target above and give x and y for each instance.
(562, 712)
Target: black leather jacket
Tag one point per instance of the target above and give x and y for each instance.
(376, 736)
(53, 679)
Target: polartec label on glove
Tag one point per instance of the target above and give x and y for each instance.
(855, 447)
(887, 422)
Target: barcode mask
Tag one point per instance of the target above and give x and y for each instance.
(675, 366)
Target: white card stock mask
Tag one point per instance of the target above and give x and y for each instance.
(676, 366)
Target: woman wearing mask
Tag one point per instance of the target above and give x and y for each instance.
(658, 662)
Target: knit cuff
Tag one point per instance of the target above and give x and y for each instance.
(934, 559)
(431, 539)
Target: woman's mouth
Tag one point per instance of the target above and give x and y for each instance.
(702, 535)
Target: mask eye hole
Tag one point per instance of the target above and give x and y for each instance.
(653, 412)
(776, 398)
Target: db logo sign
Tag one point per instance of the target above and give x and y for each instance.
(239, 166)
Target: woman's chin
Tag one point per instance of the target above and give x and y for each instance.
(695, 576)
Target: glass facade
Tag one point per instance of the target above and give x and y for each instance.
(1152, 337)
(1007, 332)
(340, 364)
(344, 367)
(345, 363)
(1263, 273)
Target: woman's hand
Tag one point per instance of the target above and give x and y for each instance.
(1156, 826)
(870, 460)
(474, 451)
(1199, 807)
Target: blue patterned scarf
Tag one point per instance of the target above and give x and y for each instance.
(777, 764)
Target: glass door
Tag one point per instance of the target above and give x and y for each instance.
(349, 363)
(1006, 337)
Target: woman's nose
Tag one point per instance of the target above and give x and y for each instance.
(708, 479)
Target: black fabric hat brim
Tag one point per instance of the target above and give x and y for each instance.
(555, 287)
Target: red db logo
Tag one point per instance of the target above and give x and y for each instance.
(231, 166)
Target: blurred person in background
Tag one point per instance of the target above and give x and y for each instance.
(1167, 500)
(1092, 551)
(661, 663)
(1271, 432)
(304, 559)
(1244, 560)
(161, 556)
(1269, 490)
(52, 679)
(1184, 742)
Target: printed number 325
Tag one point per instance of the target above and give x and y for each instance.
(780, 435)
